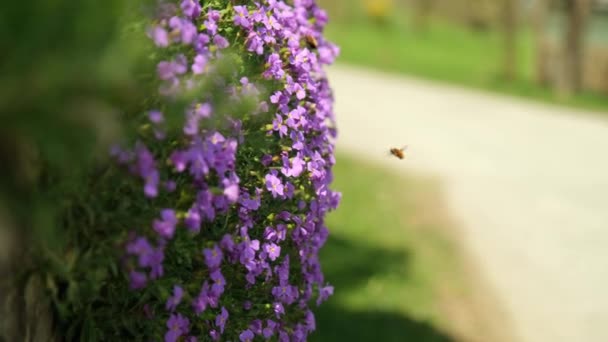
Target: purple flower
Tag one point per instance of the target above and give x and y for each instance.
(255, 44)
(271, 23)
(213, 257)
(183, 29)
(160, 36)
(247, 305)
(227, 243)
(274, 185)
(324, 293)
(174, 300)
(283, 270)
(191, 8)
(285, 293)
(205, 298)
(156, 116)
(246, 336)
(142, 248)
(271, 326)
(165, 70)
(218, 282)
(137, 280)
(156, 263)
(220, 320)
(249, 202)
(211, 27)
(202, 40)
(273, 251)
(293, 167)
(165, 227)
(232, 193)
(247, 256)
(199, 65)
(278, 309)
(311, 324)
(220, 41)
(146, 169)
(169, 70)
(256, 327)
(240, 17)
(277, 125)
(214, 15)
(178, 326)
(275, 67)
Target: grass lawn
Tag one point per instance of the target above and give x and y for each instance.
(447, 52)
(397, 273)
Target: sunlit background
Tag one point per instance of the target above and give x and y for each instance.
(494, 226)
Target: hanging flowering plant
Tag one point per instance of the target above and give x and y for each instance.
(234, 160)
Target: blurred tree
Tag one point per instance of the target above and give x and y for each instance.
(423, 10)
(539, 25)
(577, 13)
(68, 74)
(510, 28)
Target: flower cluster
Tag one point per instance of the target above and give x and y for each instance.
(240, 204)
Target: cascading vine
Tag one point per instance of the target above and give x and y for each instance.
(240, 191)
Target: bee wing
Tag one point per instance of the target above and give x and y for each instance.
(405, 147)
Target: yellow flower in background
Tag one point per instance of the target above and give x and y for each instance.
(378, 8)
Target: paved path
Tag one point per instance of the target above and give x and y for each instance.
(528, 183)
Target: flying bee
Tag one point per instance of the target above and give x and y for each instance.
(399, 152)
(311, 41)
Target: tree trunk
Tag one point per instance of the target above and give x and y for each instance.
(422, 13)
(577, 11)
(509, 21)
(539, 23)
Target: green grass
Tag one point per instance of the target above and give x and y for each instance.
(386, 260)
(448, 52)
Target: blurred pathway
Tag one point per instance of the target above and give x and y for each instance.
(528, 183)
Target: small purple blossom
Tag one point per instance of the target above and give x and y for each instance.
(273, 251)
(278, 309)
(175, 299)
(159, 36)
(241, 15)
(137, 280)
(191, 8)
(246, 336)
(165, 227)
(156, 116)
(218, 282)
(213, 257)
(232, 193)
(274, 185)
(178, 326)
(221, 319)
(324, 293)
(220, 42)
(199, 65)
(279, 126)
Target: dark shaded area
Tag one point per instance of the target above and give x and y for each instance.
(337, 324)
(348, 265)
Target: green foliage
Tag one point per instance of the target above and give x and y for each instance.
(451, 53)
(71, 79)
